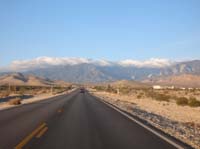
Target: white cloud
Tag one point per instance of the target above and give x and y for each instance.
(43, 62)
(153, 62)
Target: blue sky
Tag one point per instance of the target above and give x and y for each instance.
(104, 29)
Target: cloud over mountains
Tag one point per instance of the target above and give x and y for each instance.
(81, 70)
(44, 62)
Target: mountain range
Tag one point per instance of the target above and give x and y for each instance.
(90, 71)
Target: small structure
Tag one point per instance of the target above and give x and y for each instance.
(157, 87)
(170, 87)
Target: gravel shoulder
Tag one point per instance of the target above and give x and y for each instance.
(181, 122)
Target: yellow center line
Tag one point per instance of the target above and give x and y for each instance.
(30, 136)
(41, 132)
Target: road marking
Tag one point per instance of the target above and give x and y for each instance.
(144, 126)
(30, 136)
(41, 133)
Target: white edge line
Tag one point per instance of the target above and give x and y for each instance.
(144, 126)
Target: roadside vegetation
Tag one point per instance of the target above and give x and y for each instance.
(175, 111)
(14, 94)
(16, 101)
(187, 97)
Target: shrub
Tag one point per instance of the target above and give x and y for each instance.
(44, 91)
(139, 96)
(16, 101)
(22, 90)
(162, 97)
(125, 90)
(193, 102)
(182, 101)
(166, 92)
(5, 94)
(157, 96)
(150, 93)
(100, 88)
(111, 89)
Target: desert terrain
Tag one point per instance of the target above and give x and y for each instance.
(174, 111)
(16, 89)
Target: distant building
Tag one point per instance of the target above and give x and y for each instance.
(170, 87)
(157, 87)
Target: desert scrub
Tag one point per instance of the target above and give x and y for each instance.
(162, 97)
(158, 96)
(165, 92)
(193, 102)
(125, 90)
(16, 101)
(22, 90)
(5, 94)
(110, 89)
(140, 95)
(182, 101)
(100, 88)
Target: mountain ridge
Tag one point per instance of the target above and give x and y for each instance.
(20, 79)
(92, 73)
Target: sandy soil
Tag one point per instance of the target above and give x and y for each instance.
(182, 122)
(5, 105)
(167, 109)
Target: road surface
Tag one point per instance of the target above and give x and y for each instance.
(74, 121)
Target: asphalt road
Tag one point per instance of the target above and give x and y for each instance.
(74, 121)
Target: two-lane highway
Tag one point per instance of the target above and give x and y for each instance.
(16, 123)
(75, 121)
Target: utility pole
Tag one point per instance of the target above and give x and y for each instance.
(118, 91)
(51, 89)
(9, 89)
